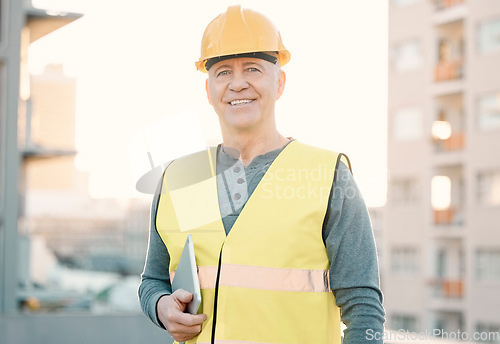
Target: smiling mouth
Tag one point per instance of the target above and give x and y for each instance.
(240, 102)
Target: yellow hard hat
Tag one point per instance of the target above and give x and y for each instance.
(240, 33)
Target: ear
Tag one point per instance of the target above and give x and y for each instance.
(281, 84)
(207, 88)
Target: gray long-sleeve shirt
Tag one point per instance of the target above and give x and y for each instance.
(347, 234)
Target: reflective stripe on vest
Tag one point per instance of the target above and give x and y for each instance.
(273, 283)
(265, 278)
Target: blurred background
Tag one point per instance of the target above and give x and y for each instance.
(97, 96)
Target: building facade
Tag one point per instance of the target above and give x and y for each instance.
(442, 235)
(20, 25)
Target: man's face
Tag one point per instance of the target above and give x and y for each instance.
(243, 92)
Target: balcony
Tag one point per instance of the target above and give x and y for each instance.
(447, 191)
(451, 216)
(450, 50)
(448, 128)
(446, 295)
(446, 285)
(448, 288)
(448, 71)
(455, 142)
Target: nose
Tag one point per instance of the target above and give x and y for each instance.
(238, 82)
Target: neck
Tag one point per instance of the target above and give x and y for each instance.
(250, 146)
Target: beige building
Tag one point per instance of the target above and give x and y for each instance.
(442, 235)
(49, 147)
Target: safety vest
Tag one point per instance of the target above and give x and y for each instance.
(267, 281)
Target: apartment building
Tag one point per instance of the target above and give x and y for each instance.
(20, 25)
(442, 235)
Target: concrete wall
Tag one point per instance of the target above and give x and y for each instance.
(80, 329)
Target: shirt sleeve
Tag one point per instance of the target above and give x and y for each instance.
(155, 278)
(354, 274)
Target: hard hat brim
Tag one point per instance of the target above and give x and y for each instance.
(258, 55)
(205, 64)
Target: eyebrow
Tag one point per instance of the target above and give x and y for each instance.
(245, 64)
(221, 67)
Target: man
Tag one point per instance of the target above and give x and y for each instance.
(282, 237)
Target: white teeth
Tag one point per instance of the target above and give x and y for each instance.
(240, 101)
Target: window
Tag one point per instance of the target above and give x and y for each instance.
(404, 322)
(404, 191)
(407, 56)
(488, 188)
(489, 36)
(404, 261)
(441, 263)
(407, 124)
(488, 264)
(488, 111)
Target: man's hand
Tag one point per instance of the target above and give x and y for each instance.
(181, 326)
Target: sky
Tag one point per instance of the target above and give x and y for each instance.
(136, 79)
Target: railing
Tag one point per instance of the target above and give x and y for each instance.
(448, 288)
(450, 70)
(455, 142)
(448, 216)
(444, 4)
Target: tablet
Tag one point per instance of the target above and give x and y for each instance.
(186, 276)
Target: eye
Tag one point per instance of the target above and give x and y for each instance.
(253, 69)
(223, 73)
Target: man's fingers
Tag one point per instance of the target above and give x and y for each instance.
(181, 331)
(181, 326)
(182, 296)
(187, 319)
